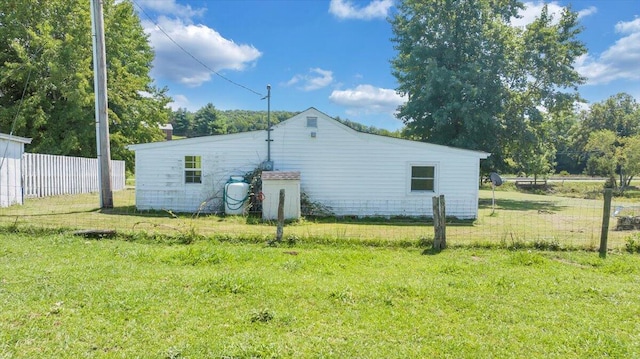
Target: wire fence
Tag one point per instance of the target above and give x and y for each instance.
(516, 218)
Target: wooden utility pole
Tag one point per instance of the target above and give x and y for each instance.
(439, 223)
(280, 228)
(103, 147)
(606, 213)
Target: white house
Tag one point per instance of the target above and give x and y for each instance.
(11, 150)
(351, 172)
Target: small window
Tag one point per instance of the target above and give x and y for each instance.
(192, 169)
(312, 122)
(423, 178)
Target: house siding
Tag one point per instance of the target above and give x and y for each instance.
(353, 173)
(11, 150)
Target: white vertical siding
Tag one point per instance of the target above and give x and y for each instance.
(10, 176)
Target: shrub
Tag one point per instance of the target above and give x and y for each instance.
(632, 244)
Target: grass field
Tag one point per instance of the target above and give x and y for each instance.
(551, 220)
(64, 296)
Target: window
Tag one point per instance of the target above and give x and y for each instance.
(312, 122)
(423, 178)
(192, 169)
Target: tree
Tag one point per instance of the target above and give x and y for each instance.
(603, 159)
(561, 129)
(209, 121)
(619, 118)
(182, 121)
(629, 160)
(46, 54)
(475, 81)
(619, 113)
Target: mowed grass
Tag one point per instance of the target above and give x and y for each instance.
(517, 218)
(64, 296)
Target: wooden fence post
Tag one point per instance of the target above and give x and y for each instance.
(439, 223)
(606, 213)
(280, 229)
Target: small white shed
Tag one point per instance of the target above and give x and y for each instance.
(272, 183)
(11, 150)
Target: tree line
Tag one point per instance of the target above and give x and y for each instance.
(211, 121)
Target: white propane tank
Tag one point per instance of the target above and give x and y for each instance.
(236, 193)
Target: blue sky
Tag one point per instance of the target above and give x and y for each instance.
(335, 55)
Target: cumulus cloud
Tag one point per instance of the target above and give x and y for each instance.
(620, 61)
(344, 9)
(317, 78)
(204, 43)
(179, 101)
(367, 99)
(587, 12)
(533, 9)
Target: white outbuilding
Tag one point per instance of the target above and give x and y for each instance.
(350, 172)
(11, 150)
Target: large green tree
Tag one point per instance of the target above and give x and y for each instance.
(46, 77)
(608, 138)
(475, 81)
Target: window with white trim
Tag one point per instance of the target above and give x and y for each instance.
(192, 169)
(423, 178)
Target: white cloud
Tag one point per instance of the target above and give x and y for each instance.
(170, 7)
(620, 61)
(368, 99)
(317, 78)
(204, 43)
(587, 12)
(179, 101)
(628, 27)
(533, 9)
(376, 9)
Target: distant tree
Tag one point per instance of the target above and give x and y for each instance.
(629, 160)
(474, 81)
(619, 113)
(603, 159)
(46, 54)
(535, 154)
(182, 122)
(560, 131)
(607, 137)
(209, 121)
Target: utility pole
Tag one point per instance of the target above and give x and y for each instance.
(269, 123)
(103, 147)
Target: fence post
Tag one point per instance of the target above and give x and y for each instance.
(439, 223)
(606, 214)
(280, 229)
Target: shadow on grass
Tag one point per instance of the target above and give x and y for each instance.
(431, 252)
(516, 205)
(256, 219)
(49, 214)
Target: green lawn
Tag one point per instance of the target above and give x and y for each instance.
(68, 297)
(532, 219)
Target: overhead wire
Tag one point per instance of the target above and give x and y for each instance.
(193, 56)
(15, 118)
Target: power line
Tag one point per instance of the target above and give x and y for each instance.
(191, 55)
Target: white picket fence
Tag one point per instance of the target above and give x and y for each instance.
(51, 175)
